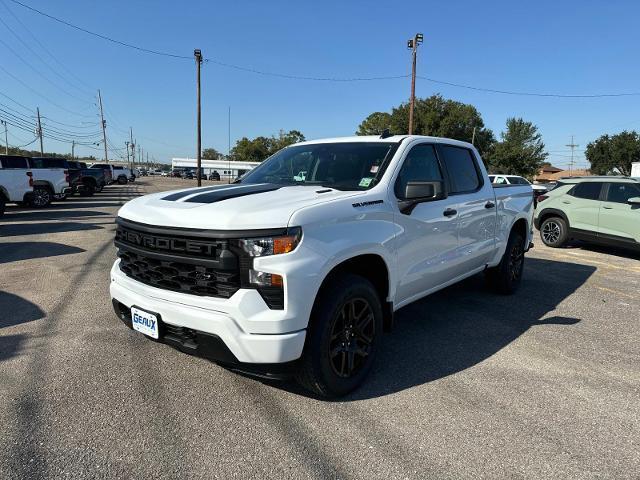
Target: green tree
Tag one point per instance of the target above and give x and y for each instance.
(285, 139)
(210, 154)
(435, 116)
(521, 151)
(259, 148)
(614, 154)
(375, 124)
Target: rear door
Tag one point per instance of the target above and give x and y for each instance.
(476, 208)
(618, 219)
(428, 237)
(582, 206)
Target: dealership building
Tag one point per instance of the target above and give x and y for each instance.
(224, 168)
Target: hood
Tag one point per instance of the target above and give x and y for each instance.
(228, 207)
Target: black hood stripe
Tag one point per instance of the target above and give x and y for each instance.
(226, 194)
(186, 193)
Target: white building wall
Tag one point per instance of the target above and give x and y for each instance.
(224, 168)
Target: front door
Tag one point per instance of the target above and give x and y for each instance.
(428, 236)
(618, 219)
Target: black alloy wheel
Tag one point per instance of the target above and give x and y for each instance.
(352, 335)
(41, 197)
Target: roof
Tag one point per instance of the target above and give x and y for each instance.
(598, 178)
(378, 138)
(550, 169)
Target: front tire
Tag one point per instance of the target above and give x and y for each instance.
(42, 197)
(506, 277)
(3, 206)
(343, 337)
(553, 232)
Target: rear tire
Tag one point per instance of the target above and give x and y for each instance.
(3, 205)
(554, 232)
(122, 180)
(343, 337)
(88, 190)
(506, 277)
(41, 197)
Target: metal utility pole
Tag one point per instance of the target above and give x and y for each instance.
(198, 55)
(127, 146)
(40, 132)
(572, 146)
(104, 128)
(133, 145)
(229, 145)
(6, 138)
(73, 149)
(413, 46)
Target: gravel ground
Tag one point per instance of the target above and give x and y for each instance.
(543, 384)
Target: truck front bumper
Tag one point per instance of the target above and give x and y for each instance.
(216, 332)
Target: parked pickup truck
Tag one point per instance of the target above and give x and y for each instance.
(48, 181)
(16, 186)
(86, 181)
(275, 275)
(119, 174)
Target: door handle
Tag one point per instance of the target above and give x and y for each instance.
(607, 208)
(568, 203)
(449, 212)
(489, 205)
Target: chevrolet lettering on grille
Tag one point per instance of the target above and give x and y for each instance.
(152, 242)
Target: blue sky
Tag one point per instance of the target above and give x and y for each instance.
(568, 47)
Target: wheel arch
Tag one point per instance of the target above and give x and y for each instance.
(374, 268)
(4, 194)
(552, 212)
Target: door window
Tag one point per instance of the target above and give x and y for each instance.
(587, 190)
(421, 165)
(622, 192)
(462, 169)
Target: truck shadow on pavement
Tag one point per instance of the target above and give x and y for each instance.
(16, 251)
(465, 324)
(462, 325)
(15, 310)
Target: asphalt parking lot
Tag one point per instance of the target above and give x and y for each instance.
(543, 384)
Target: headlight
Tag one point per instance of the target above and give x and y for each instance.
(261, 247)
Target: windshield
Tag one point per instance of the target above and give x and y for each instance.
(343, 166)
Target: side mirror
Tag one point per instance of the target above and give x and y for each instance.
(419, 192)
(634, 201)
(424, 191)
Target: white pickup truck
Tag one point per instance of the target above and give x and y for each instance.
(16, 186)
(50, 177)
(277, 274)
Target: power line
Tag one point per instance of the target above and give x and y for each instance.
(44, 48)
(42, 96)
(319, 78)
(37, 55)
(529, 94)
(39, 73)
(104, 37)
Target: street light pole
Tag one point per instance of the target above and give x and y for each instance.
(198, 55)
(413, 46)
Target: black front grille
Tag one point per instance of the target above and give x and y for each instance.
(181, 264)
